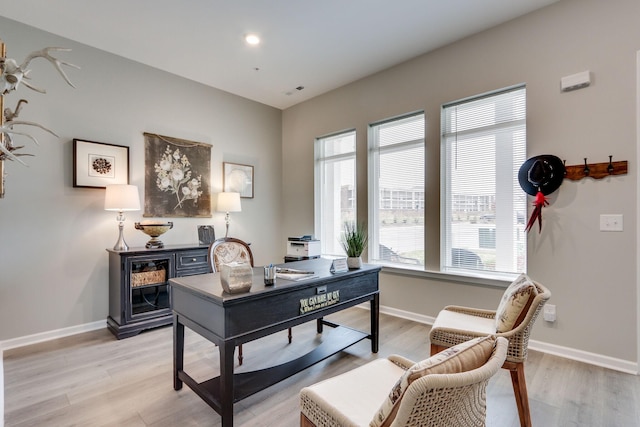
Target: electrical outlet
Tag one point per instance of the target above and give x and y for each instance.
(611, 222)
(549, 313)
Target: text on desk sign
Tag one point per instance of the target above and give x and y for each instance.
(317, 302)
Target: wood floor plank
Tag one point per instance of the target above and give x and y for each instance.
(92, 379)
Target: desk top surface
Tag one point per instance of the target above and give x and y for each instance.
(208, 286)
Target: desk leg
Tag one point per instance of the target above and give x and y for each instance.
(178, 351)
(319, 325)
(226, 382)
(375, 323)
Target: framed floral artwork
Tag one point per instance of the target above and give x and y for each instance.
(97, 164)
(177, 177)
(238, 178)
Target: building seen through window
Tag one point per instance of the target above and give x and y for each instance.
(484, 144)
(396, 191)
(335, 188)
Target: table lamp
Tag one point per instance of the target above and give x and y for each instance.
(120, 198)
(228, 202)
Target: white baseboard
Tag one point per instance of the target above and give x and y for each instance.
(585, 356)
(51, 335)
(626, 366)
(621, 365)
(420, 318)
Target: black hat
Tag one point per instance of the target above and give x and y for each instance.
(541, 173)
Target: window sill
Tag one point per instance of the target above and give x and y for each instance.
(491, 280)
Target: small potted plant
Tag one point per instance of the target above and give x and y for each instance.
(353, 240)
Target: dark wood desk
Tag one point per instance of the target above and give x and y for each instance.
(200, 304)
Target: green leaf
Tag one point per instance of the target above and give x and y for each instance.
(354, 238)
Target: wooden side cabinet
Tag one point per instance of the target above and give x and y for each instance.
(139, 291)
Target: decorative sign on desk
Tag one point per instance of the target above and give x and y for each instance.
(339, 265)
(317, 302)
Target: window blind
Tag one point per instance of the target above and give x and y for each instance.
(335, 188)
(396, 190)
(483, 207)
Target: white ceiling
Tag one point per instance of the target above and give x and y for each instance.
(318, 44)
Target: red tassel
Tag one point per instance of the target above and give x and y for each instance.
(538, 204)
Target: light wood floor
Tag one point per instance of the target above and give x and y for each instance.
(92, 379)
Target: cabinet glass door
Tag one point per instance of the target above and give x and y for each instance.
(149, 286)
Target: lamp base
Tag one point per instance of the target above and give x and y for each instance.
(121, 245)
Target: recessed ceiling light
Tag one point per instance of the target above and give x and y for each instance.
(252, 39)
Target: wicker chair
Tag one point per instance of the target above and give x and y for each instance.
(227, 250)
(456, 324)
(433, 400)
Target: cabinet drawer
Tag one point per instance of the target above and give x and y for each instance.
(198, 259)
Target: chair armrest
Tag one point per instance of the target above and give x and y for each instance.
(401, 361)
(488, 314)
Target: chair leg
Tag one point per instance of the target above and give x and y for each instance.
(305, 422)
(290, 336)
(435, 348)
(520, 390)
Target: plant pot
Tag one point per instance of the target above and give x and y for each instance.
(354, 262)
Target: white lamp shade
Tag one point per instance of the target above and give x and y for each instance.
(229, 202)
(122, 197)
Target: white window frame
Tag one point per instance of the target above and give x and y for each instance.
(321, 222)
(509, 229)
(374, 151)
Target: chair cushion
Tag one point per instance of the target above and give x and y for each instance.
(350, 398)
(476, 325)
(515, 303)
(463, 357)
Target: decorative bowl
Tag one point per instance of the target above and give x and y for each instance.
(154, 229)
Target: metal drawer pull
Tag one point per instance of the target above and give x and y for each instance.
(194, 259)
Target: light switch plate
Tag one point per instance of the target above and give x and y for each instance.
(611, 222)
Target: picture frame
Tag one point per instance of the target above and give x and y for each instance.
(177, 177)
(238, 178)
(98, 164)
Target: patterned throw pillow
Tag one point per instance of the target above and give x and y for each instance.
(515, 303)
(463, 357)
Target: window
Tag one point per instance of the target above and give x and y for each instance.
(335, 188)
(396, 190)
(483, 206)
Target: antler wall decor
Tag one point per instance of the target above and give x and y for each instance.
(11, 75)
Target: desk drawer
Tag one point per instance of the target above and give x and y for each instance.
(196, 259)
(308, 302)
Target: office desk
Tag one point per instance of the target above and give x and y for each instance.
(227, 320)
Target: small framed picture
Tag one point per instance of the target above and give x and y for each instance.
(97, 164)
(238, 179)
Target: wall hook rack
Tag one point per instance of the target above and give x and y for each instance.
(595, 170)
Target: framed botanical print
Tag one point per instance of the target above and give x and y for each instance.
(97, 164)
(177, 177)
(238, 178)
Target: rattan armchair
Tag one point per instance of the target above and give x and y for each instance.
(227, 250)
(433, 400)
(456, 324)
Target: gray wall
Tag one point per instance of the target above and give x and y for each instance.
(591, 274)
(53, 266)
(53, 263)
